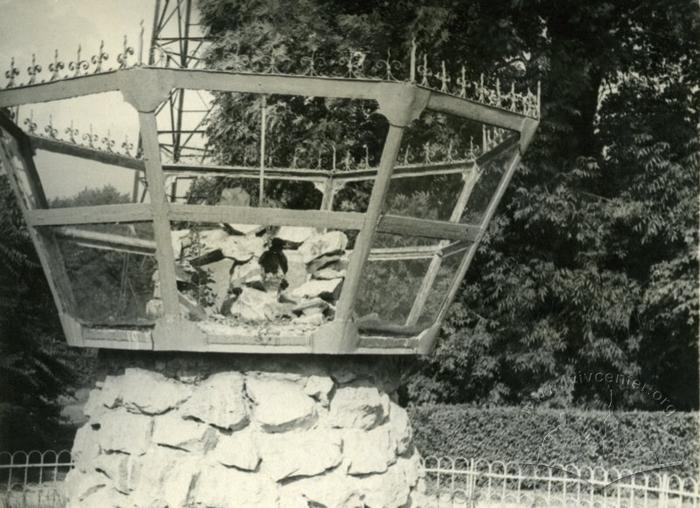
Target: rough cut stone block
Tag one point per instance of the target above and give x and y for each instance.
(122, 469)
(314, 288)
(360, 407)
(165, 478)
(368, 451)
(237, 450)
(77, 486)
(143, 391)
(295, 454)
(319, 387)
(327, 243)
(125, 432)
(401, 430)
(393, 488)
(294, 235)
(218, 401)
(86, 447)
(221, 487)
(280, 405)
(171, 430)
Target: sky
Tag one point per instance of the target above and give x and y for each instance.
(42, 26)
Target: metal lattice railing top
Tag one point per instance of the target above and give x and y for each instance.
(354, 64)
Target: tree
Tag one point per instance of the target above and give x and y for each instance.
(591, 259)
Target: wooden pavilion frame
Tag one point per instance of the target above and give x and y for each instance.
(145, 88)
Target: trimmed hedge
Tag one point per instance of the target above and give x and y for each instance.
(602, 438)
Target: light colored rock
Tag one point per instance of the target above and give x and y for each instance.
(125, 432)
(326, 261)
(171, 430)
(162, 395)
(220, 273)
(246, 229)
(237, 450)
(393, 488)
(400, 428)
(86, 447)
(329, 274)
(327, 243)
(295, 235)
(359, 407)
(77, 485)
(319, 387)
(210, 239)
(296, 269)
(254, 305)
(309, 319)
(222, 487)
(166, 477)
(123, 470)
(234, 196)
(280, 405)
(331, 489)
(310, 453)
(368, 452)
(94, 406)
(246, 273)
(243, 248)
(180, 239)
(219, 401)
(314, 288)
(102, 497)
(154, 308)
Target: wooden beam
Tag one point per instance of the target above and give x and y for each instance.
(267, 216)
(85, 152)
(398, 253)
(61, 89)
(363, 243)
(293, 174)
(410, 226)
(128, 212)
(161, 223)
(108, 241)
(445, 103)
(407, 171)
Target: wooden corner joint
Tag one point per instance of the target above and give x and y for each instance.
(145, 89)
(402, 103)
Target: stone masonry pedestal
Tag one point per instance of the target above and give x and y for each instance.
(214, 431)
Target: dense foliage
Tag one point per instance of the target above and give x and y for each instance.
(591, 263)
(636, 440)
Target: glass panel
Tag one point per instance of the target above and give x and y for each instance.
(73, 181)
(112, 271)
(490, 176)
(248, 277)
(245, 191)
(441, 285)
(425, 197)
(12, 155)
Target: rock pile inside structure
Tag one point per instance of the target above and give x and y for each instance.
(250, 274)
(194, 436)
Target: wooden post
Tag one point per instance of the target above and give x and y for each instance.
(363, 244)
(263, 129)
(159, 204)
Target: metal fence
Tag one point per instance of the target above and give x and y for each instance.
(471, 483)
(33, 480)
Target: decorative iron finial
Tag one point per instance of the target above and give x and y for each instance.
(407, 155)
(511, 97)
(387, 66)
(310, 63)
(127, 146)
(33, 70)
(123, 57)
(56, 67)
(482, 90)
(346, 160)
(100, 57)
(539, 97)
(141, 32)
(91, 138)
(108, 142)
(334, 155)
(427, 153)
(449, 150)
(354, 63)
(30, 123)
(412, 77)
(72, 133)
(444, 78)
(462, 82)
(366, 159)
(11, 74)
(425, 73)
(79, 64)
(498, 92)
(50, 130)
